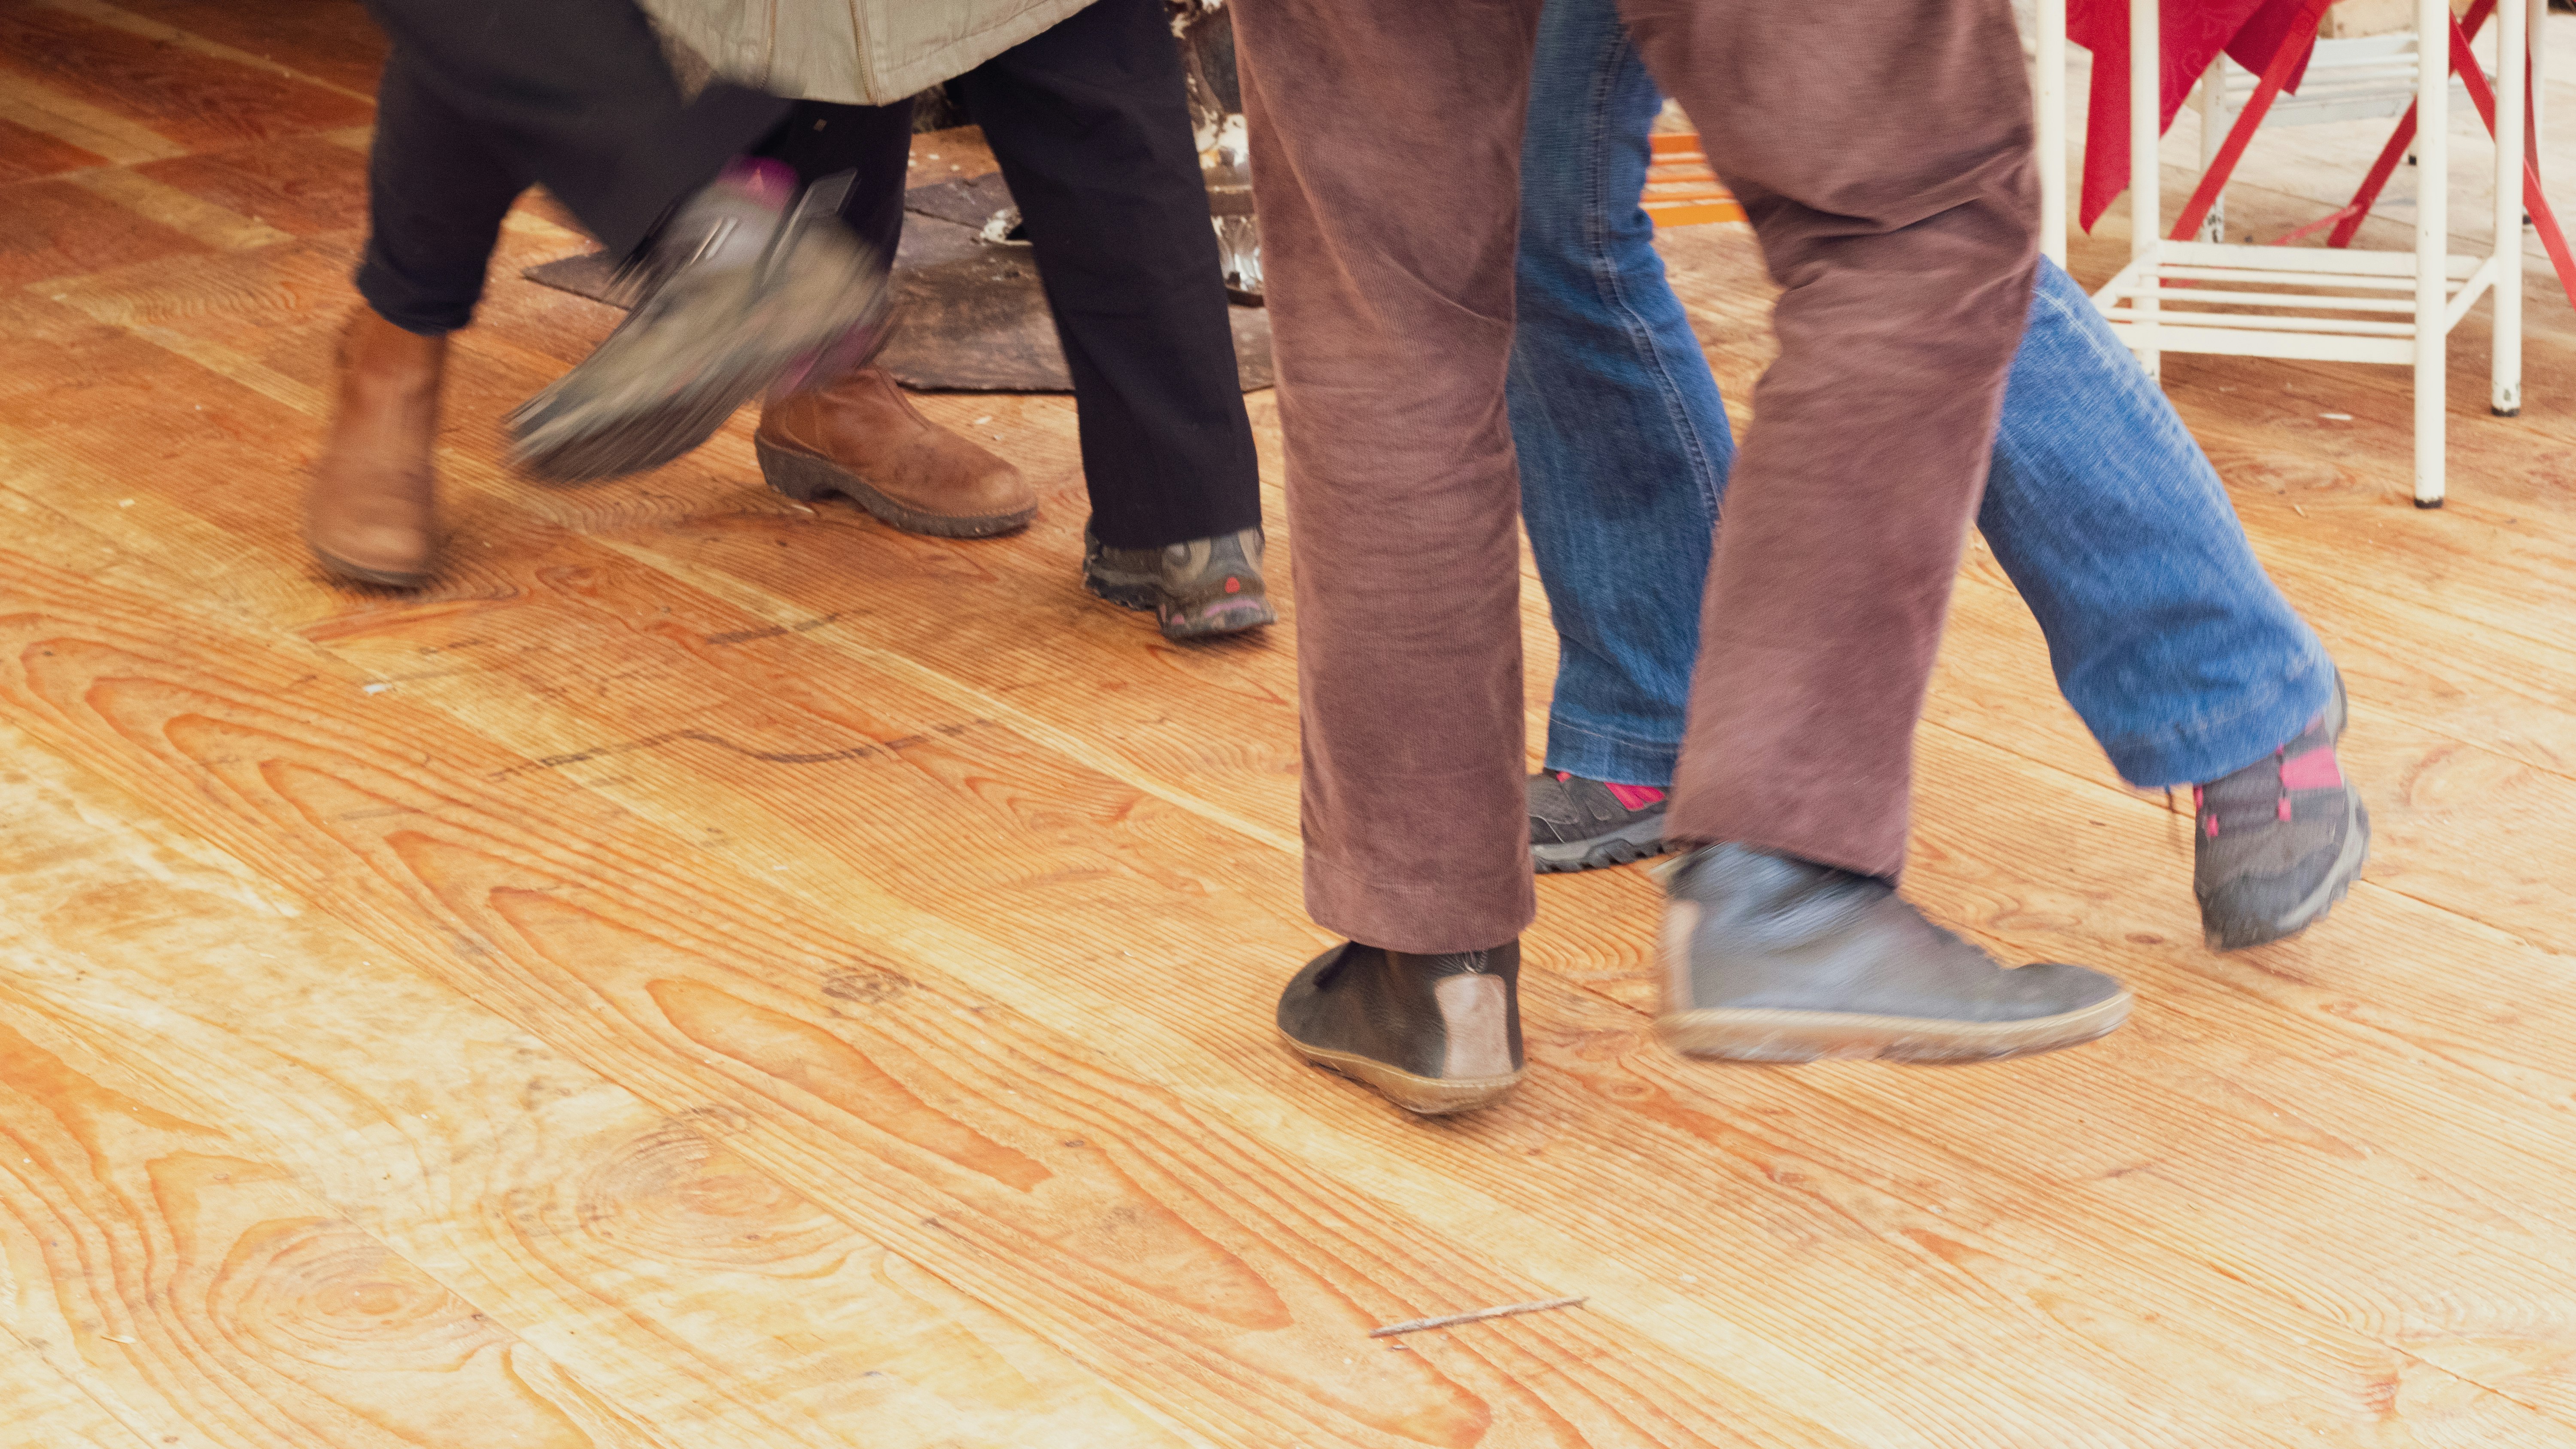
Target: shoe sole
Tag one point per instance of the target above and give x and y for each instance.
(807, 479)
(1422, 1096)
(355, 573)
(639, 404)
(2313, 908)
(1804, 1036)
(1127, 591)
(1227, 618)
(1637, 840)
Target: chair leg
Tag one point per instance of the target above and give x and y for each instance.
(2146, 89)
(2214, 121)
(2504, 395)
(2432, 243)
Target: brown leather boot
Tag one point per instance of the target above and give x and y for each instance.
(861, 438)
(372, 512)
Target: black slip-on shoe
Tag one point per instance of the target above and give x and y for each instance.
(1769, 958)
(1434, 1034)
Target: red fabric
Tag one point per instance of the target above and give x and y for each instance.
(2195, 31)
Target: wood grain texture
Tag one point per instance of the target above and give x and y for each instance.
(39, 1408)
(56, 228)
(68, 120)
(780, 980)
(26, 153)
(300, 185)
(328, 40)
(625, 1240)
(204, 40)
(193, 1291)
(1087, 1191)
(195, 99)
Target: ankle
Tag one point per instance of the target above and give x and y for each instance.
(376, 354)
(764, 179)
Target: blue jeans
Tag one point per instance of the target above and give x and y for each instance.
(2165, 633)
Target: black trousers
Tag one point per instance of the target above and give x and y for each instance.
(572, 94)
(1091, 124)
(1092, 131)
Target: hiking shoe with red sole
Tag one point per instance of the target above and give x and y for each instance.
(1198, 589)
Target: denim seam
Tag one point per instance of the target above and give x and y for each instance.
(1607, 277)
(1558, 722)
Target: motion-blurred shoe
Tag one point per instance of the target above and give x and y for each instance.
(860, 437)
(752, 284)
(1434, 1034)
(1769, 958)
(371, 510)
(1203, 587)
(2277, 843)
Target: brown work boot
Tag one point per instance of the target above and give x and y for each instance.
(861, 438)
(372, 511)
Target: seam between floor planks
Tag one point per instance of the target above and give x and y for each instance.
(838, 1187)
(117, 18)
(510, 1123)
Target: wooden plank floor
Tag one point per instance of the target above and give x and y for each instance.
(718, 972)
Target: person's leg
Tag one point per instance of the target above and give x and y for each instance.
(2166, 635)
(437, 192)
(1623, 446)
(578, 95)
(1090, 122)
(822, 139)
(436, 196)
(1623, 441)
(858, 436)
(2171, 642)
(1387, 143)
(746, 284)
(1883, 155)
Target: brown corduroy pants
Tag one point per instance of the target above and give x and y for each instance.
(1882, 149)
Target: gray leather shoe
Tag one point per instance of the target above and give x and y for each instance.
(1768, 958)
(1433, 1033)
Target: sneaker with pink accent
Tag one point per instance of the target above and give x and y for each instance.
(2277, 843)
(1580, 824)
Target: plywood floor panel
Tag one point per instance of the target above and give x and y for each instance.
(704, 933)
(625, 1241)
(661, 617)
(1177, 1278)
(194, 1292)
(193, 98)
